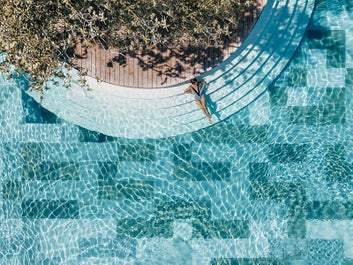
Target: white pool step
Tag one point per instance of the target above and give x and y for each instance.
(155, 113)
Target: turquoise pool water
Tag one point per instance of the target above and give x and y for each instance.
(273, 184)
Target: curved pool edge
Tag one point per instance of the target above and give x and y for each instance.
(135, 112)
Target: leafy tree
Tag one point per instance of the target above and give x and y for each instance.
(40, 36)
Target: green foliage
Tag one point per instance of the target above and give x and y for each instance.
(39, 36)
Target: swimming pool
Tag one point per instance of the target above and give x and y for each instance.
(272, 184)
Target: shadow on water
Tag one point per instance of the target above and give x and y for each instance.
(212, 107)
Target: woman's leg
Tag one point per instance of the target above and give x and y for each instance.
(205, 111)
(203, 101)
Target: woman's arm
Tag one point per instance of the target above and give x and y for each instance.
(188, 90)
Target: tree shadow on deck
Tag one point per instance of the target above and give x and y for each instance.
(182, 64)
(163, 66)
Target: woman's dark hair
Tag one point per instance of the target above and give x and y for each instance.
(193, 81)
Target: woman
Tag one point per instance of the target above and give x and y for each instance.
(196, 88)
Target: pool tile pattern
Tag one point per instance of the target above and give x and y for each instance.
(267, 186)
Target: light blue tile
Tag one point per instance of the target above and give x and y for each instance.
(287, 153)
(11, 209)
(106, 247)
(12, 190)
(53, 209)
(297, 96)
(324, 77)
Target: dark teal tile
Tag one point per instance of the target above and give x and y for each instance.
(135, 228)
(349, 5)
(224, 229)
(170, 210)
(107, 247)
(258, 172)
(33, 112)
(317, 39)
(182, 152)
(69, 171)
(321, 4)
(288, 153)
(276, 191)
(31, 109)
(221, 261)
(334, 114)
(126, 190)
(297, 77)
(108, 172)
(326, 39)
(349, 78)
(337, 169)
(30, 171)
(318, 18)
(51, 171)
(348, 261)
(202, 210)
(48, 117)
(330, 210)
(246, 261)
(32, 152)
(133, 151)
(91, 136)
(337, 39)
(202, 171)
(11, 190)
(183, 209)
(144, 228)
(138, 152)
(335, 96)
(278, 96)
(258, 178)
(336, 57)
(310, 115)
(231, 134)
(164, 209)
(50, 209)
(260, 190)
(297, 115)
(162, 228)
(336, 49)
(180, 209)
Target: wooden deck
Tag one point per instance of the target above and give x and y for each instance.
(162, 67)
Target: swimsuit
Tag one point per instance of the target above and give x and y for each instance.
(198, 94)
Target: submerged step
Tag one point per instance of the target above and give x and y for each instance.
(157, 113)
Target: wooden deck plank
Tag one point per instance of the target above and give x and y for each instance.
(162, 67)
